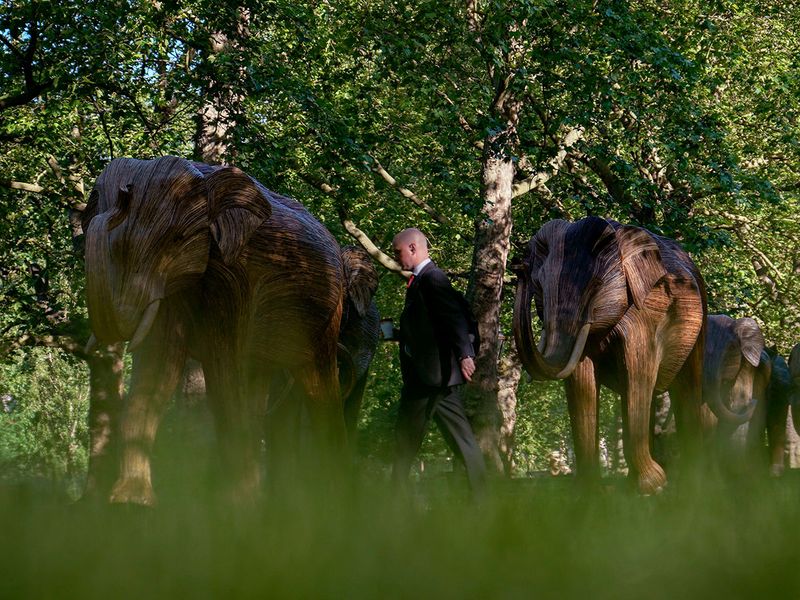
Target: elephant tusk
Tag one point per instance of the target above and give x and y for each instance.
(577, 351)
(145, 324)
(91, 344)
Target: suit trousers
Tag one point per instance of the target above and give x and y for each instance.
(418, 404)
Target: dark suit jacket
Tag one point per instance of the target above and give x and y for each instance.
(434, 331)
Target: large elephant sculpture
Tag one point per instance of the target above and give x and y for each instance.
(620, 307)
(745, 389)
(189, 259)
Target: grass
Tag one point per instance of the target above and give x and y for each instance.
(532, 538)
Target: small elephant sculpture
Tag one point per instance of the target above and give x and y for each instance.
(745, 389)
(359, 334)
(779, 397)
(620, 307)
(186, 259)
(794, 386)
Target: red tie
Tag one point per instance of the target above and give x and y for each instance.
(410, 280)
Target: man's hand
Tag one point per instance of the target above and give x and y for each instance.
(467, 367)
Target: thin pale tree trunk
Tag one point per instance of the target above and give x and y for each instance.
(216, 118)
(490, 254)
(509, 373)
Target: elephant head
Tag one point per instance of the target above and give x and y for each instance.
(149, 226)
(360, 330)
(733, 366)
(794, 393)
(583, 277)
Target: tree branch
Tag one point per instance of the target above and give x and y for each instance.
(369, 246)
(462, 121)
(20, 185)
(351, 228)
(31, 92)
(376, 167)
(741, 230)
(32, 89)
(538, 180)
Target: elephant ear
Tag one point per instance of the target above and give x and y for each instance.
(236, 208)
(91, 209)
(641, 262)
(751, 339)
(794, 363)
(361, 277)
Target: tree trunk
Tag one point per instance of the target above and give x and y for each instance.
(492, 233)
(212, 139)
(224, 93)
(509, 371)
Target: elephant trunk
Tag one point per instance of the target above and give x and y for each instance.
(718, 406)
(115, 317)
(99, 281)
(530, 354)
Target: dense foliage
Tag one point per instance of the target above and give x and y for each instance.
(43, 432)
(678, 116)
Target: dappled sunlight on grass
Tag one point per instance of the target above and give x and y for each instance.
(531, 537)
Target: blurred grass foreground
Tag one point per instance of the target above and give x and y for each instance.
(531, 538)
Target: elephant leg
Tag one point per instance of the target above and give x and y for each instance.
(326, 413)
(320, 383)
(636, 415)
(694, 421)
(157, 368)
(237, 407)
(582, 396)
(283, 431)
(755, 452)
(777, 417)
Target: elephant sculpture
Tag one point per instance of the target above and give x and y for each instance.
(620, 307)
(745, 389)
(186, 259)
(794, 386)
(359, 334)
(779, 397)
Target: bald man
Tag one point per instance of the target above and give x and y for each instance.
(436, 359)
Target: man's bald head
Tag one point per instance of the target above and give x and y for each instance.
(410, 247)
(411, 235)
